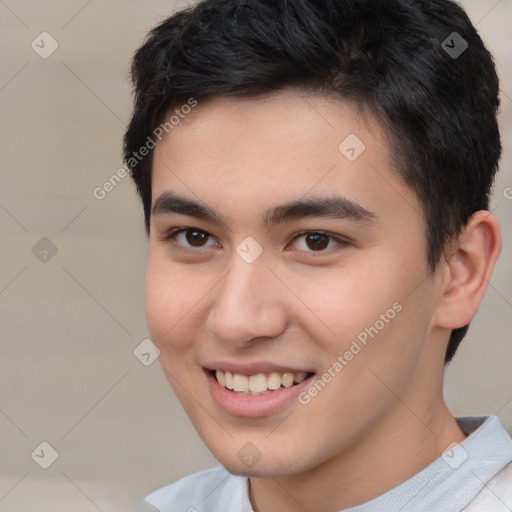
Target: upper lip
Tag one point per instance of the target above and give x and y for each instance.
(254, 368)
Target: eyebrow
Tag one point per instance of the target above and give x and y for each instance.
(334, 206)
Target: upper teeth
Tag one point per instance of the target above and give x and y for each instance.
(258, 383)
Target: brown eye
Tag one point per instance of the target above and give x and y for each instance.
(191, 238)
(317, 241)
(196, 238)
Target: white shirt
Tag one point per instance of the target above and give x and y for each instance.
(475, 476)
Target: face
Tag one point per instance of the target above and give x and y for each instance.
(286, 260)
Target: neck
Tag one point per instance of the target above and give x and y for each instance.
(369, 468)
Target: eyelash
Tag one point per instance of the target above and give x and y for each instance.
(171, 235)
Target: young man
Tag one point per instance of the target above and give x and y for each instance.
(315, 177)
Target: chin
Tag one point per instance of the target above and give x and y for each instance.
(250, 462)
(259, 470)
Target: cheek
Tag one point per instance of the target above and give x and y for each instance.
(170, 298)
(371, 310)
(345, 302)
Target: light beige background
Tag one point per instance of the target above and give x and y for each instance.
(69, 326)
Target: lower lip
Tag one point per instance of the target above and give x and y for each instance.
(254, 406)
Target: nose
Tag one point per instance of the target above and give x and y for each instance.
(249, 305)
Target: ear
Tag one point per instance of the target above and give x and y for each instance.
(466, 270)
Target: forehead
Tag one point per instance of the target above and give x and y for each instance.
(252, 153)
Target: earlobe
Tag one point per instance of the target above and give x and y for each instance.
(467, 269)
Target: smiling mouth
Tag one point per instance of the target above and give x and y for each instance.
(260, 384)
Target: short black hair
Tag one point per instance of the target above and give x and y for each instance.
(419, 66)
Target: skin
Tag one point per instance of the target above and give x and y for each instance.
(383, 417)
